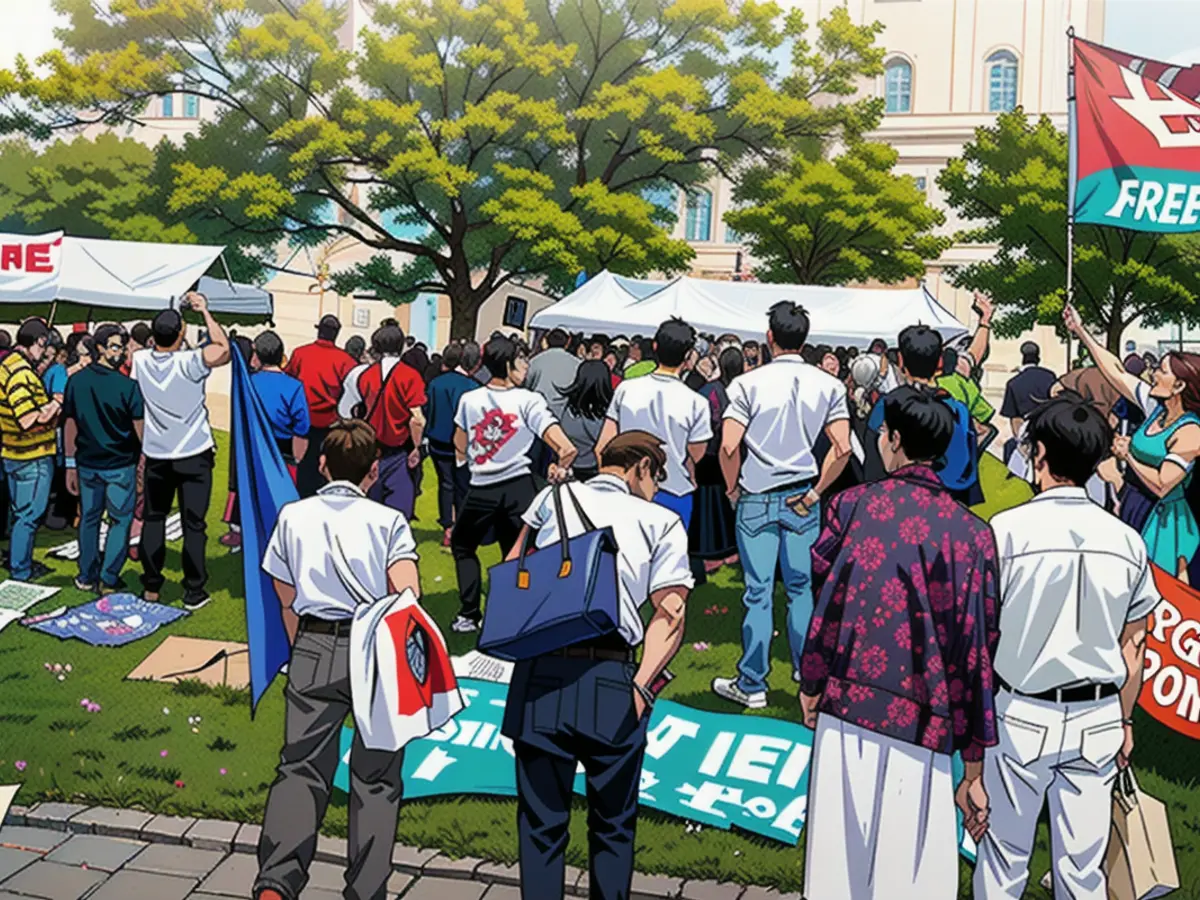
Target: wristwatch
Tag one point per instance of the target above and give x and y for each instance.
(644, 693)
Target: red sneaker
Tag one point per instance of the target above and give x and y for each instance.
(269, 894)
(446, 537)
(231, 539)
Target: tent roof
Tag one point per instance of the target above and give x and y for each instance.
(235, 299)
(129, 274)
(840, 316)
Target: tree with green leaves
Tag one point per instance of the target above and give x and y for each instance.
(467, 145)
(1011, 185)
(846, 218)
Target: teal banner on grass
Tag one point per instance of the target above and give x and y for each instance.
(716, 769)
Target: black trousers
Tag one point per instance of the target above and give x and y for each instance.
(63, 506)
(308, 471)
(453, 481)
(190, 481)
(561, 712)
(496, 506)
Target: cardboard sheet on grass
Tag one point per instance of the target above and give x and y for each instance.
(214, 663)
(111, 621)
(715, 769)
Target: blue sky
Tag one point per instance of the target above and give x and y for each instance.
(1160, 29)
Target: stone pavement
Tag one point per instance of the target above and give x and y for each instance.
(66, 851)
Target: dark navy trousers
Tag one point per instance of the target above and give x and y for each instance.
(563, 711)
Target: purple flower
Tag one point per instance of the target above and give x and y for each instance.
(20, 765)
(162, 753)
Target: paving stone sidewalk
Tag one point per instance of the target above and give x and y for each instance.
(66, 851)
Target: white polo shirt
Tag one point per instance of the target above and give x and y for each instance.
(652, 542)
(1071, 577)
(335, 549)
(665, 407)
(172, 385)
(785, 405)
(501, 425)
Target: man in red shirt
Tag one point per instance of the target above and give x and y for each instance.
(321, 367)
(392, 396)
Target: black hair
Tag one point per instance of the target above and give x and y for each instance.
(1075, 435)
(355, 346)
(925, 424)
(501, 354)
(166, 328)
(949, 361)
(243, 345)
(452, 356)
(106, 333)
(388, 340)
(32, 331)
(557, 338)
(590, 394)
(646, 345)
(598, 340)
(141, 333)
(732, 363)
(1031, 354)
(74, 341)
(269, 348)
(674, 340)
(878, 346)
(920, 350)
(789, 325)
(471, 354)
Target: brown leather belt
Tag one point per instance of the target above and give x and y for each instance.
(340, 628)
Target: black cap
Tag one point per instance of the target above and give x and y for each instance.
(329, 323)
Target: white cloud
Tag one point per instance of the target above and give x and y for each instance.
(28, 29)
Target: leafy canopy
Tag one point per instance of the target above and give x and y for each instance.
(466, 145)
(1012, 181)
(833, 221)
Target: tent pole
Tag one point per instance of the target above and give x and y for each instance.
(53, 310)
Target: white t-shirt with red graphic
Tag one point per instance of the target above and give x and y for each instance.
(502, 425)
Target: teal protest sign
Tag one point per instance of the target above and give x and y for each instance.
(713, 768)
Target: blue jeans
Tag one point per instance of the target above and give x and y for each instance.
(116, 491)
(770, 536)
(28, 492)
(681, 505)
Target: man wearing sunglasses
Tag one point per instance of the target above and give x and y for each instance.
(103, 437)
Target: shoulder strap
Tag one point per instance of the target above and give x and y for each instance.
(384, 382)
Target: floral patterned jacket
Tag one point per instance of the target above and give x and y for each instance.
(907, 615)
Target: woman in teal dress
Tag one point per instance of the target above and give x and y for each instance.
(1163, 450)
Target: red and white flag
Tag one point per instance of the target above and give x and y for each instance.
(402, 683)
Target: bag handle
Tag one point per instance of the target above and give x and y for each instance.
(384, 382)
(563, 540)
(1126, 789)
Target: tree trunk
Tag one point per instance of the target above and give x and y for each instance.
(464, 316)
(1116, 330)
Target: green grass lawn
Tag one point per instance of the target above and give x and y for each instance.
(139, 749)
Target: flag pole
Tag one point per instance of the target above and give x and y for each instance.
(1071, 175)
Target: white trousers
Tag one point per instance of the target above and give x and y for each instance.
(1064, 754)
(881, 819)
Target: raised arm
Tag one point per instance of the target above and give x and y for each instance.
(217, 352)
(1106, 361)
(981, 340)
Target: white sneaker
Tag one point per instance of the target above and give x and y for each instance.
(796, 675)
(463, 625)
(728, 689)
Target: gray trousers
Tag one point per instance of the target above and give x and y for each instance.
(318, 702)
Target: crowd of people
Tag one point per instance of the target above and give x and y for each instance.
(914, 629)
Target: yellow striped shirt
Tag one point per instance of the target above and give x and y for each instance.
(22, 392)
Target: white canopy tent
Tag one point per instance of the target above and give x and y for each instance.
(125, 275)
(851, 317)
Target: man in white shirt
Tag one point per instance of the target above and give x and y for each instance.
(662, 405)
(496, 430)
(590, 703)
(329, 554)
(178, 445)
(1076, 588)
(777, 412)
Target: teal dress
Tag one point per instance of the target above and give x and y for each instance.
(1170, 532)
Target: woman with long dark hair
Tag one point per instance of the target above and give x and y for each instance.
(588, 397)
(1161, 454)
(712, 535)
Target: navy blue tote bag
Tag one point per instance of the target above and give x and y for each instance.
(542, 602)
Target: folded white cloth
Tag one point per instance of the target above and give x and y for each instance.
(402, 683)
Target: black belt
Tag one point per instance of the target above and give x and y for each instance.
(1084, 693)
(340, 628)
(603, 648)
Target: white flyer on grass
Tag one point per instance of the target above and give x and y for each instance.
(8, 793)
(18, 596)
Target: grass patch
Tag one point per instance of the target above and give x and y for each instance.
(227, 767)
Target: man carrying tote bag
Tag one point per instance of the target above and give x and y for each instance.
(589, 702)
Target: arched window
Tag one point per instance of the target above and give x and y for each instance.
(698, 222)
(1002, 82)
(665, 197)
(897, 82)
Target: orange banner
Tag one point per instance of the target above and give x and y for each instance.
(1171, 690)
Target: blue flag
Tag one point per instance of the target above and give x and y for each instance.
(580, 280)
(263, 487)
